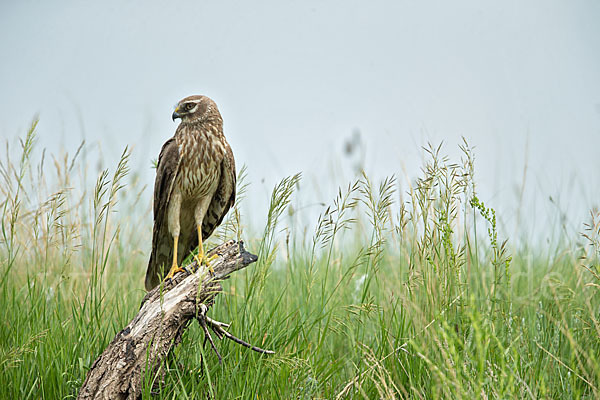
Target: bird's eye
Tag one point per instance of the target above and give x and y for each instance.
(189, 106)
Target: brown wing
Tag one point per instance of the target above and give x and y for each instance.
(162, 246)
(224, 196)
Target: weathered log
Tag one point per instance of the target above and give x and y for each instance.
(137, 352)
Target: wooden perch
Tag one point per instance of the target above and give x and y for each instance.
(141, 348)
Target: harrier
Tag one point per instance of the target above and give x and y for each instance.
(193, 190)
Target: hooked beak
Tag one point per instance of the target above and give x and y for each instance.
(175, 115)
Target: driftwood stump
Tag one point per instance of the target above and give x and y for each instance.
(141, 348)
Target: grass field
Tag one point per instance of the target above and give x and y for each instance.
(389, 294)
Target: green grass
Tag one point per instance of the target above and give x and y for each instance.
(390, 293)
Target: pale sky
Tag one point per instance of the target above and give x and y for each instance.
(293, 79)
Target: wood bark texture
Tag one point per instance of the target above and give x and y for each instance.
(138, 351)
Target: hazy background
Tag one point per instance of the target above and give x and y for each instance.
(296, 80)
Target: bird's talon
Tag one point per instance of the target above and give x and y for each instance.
(204, 260)
(174, 270)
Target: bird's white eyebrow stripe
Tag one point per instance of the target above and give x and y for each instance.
(188, 101)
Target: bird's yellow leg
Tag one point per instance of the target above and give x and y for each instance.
(201, 257)
(174, 268)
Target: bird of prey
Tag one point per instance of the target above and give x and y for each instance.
(193, 190)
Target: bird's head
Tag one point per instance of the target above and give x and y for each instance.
(196, 109)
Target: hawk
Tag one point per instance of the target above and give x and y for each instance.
(193, 190)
